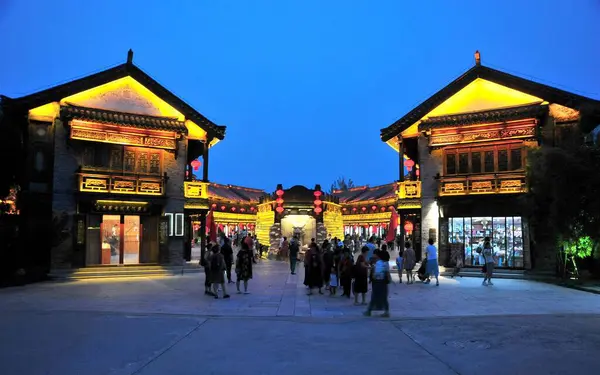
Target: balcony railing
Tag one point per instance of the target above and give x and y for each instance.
(409, 189)
(196, 189)
(121, 184)
(501, 183)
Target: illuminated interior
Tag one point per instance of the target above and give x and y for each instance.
(305, 226)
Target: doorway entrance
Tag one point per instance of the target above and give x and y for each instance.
(120, 239)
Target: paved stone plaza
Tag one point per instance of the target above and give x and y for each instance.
(168, 326)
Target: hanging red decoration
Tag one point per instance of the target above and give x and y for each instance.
(418, 172)
(344, 209)
(279, 193)
(252, 209)
(196, 164)
(196, 227)
(318, 193)
(279, 209)
(354, 209)
(318, 202)
(233, 209)
(318, 210)
(373, 208)
(214, 205)
(223, 208)
(409, 164)
(408, 227)
(364, 208)
(242, 209)
(279, 201)
(390, 207)
(382, 208)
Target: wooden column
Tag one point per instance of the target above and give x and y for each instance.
(205, 159)
(401, 153)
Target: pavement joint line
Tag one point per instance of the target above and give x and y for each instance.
(309, 319)
(426, 350)
(162, 352)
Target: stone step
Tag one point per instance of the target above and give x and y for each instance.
(123, 271)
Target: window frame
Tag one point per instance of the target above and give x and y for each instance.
(482, 149)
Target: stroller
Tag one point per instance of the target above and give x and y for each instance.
(421, 272)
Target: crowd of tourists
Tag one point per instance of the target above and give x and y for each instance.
(218, 262)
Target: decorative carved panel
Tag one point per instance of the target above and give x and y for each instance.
(95, 183)
(196, 189)
(468, 136)
(563, 114)
(121, 138)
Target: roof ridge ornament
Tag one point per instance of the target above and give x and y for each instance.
(477, 58)
(130, 56)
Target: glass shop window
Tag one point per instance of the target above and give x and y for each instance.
(476, 162)
(502, 160)
(488, 158)
(463, 163)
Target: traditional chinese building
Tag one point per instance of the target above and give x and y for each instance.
(468, 144)
(105, 163)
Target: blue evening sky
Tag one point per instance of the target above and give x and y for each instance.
(303, 86)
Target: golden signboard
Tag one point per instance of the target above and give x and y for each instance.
(195, 189)
(122, 139)
(409, 189)
(378, 217)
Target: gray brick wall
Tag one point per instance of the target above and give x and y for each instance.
(175, 169)
(63, 194)
(431, 165)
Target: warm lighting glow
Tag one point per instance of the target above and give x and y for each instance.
(408, 227)
(279, 209)
(124, 95)
(479, 95)
(46, 112)
(194, 131)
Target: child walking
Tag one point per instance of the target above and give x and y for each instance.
(400, 264)
(333, 281)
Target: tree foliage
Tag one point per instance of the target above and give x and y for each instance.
(564, 198)
(341, 184)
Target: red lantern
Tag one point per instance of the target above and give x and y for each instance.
(373, 208)
(354, 209)
(252, 209)
(318, 193)
(318, 202)
(344, 209)
(364, 208)
(222, 208)
(409, 164)
(408, 227)
(214, 205)
(196, 227)
(242, 209)
(279, 201)
(279, 193)
(233, 209)
(196, 164)
(390, 207)
(318, 210)
(418, 172)
(382, 208)
(279, 209)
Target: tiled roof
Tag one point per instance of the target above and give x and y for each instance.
(365, 193)
(56, 93)
(548, 93)
(480, 117)
(131, 120)
(234, 193)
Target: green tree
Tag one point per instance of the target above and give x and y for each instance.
(341, 184)
(564, 201)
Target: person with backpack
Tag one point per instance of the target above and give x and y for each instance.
(294, 250)
(488, 267)
(217, 272)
